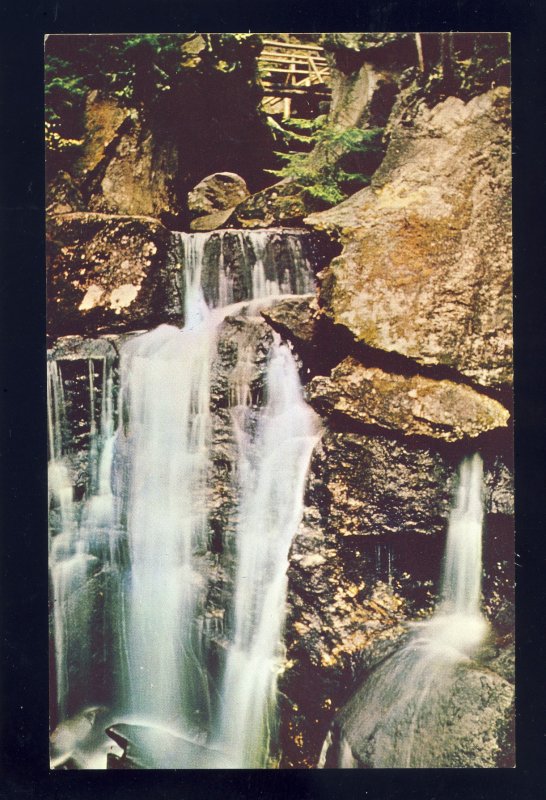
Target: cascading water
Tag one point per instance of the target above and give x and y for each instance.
(396, 718)
(146, 518)
(272, 470)
(75, 547)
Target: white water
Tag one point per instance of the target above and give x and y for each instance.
(400, 701)
(272, 470)
(74, 548)
(149, 504)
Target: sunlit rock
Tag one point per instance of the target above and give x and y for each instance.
(217, 192)
(425, 269)
(413, 406)
(106, 272)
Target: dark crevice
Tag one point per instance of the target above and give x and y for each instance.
(97, 173)
(333, 343)
(490, 444)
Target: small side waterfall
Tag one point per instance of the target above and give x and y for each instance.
(395, 719)
(145, 520)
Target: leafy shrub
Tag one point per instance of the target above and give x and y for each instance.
(324, 175)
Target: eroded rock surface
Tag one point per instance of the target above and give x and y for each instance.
(126, 168)
(425, 269)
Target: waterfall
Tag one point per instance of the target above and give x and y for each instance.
(395, 719)
(272, 470)
(78, 537)
(145, 521)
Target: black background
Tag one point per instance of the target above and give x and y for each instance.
(24, 770)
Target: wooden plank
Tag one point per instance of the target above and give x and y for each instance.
(293, 46)
(281, 91)
(315, 70)
(265, 55)
(284, 70)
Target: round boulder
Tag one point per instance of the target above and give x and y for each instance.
(217, 192)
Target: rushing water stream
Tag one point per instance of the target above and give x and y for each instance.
(132, 561)
(391, 720)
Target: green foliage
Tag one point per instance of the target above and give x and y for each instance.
(138, 69)
(64, 95)
(324, 175)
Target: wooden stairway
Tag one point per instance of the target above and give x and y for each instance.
(287, 70)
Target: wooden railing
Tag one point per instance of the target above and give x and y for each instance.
(287, 69)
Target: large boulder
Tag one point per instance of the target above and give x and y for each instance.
(414, 406)
(217, 192)
(107, 272)
(425, 269)
(284, 203)
(464, 722)
(126, 168)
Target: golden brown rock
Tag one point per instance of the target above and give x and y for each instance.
(128, 169)
(425, 269)
(414, 406)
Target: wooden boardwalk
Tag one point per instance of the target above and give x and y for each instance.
(289, 70)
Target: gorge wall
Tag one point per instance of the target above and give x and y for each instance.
(405, 351)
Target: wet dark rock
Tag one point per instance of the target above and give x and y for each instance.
(375, 486)
(75, 348)
(295, 319)
(63, 195)
(499, 488)
(107, 272)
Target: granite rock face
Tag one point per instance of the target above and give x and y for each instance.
(414, 406)
(466, 725)
(425, 269)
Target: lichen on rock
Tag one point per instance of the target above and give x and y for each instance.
(105, 272)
